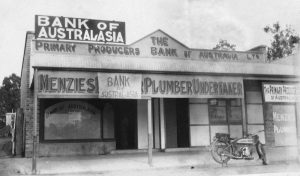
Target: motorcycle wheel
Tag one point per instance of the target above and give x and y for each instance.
(218, 148)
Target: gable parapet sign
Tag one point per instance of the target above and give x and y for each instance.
(65, 28)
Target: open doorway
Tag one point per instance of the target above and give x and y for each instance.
(177, 123)
(126, 124)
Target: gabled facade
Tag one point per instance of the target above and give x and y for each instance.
(96, 98)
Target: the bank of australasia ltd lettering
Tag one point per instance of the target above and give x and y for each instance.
(67, 85)
(191, 87)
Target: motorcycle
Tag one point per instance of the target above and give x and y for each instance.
(223, 148)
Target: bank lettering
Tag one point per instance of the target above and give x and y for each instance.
(118, 81)
(119, 86)
(160, 47)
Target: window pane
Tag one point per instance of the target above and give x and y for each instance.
(198, 114)
(253, 97)
(235, 102)
(72, 120)
(235, 115)
(255, 114)
(221, 102)
(217, 114)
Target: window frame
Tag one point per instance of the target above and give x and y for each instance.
(228, 110)
(42, 109)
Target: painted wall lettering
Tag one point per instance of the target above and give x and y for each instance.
(113, 50)
(187, 54)
(51, 84)
(55, 47)
(284, 125)
(216, 55)
(160, 45)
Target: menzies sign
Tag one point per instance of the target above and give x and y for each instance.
(80, 29)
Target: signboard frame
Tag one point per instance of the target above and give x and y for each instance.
(60, 28)
(107, 85)
(280, 84)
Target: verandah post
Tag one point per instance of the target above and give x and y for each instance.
(150, 131)
(34, 152)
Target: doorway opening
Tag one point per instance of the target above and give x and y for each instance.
(177, 123)
(126, 124)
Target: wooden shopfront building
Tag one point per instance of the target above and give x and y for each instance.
(86, 98)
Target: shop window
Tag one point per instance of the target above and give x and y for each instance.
(217, 111)
(72, 120)
(225, 111)
(225, 116)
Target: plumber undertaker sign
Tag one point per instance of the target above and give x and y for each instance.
(79, 29)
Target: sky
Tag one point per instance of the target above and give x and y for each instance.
(195, 23)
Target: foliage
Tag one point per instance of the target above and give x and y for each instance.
(224, 46)
(283, 43)
(10, 94)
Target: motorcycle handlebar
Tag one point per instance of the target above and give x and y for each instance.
(255, 133)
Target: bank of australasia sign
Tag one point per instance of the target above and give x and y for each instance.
(80, 29)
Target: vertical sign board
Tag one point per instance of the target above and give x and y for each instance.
(284, 115)
(119, 85)
(284, 125)
(80, 29)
